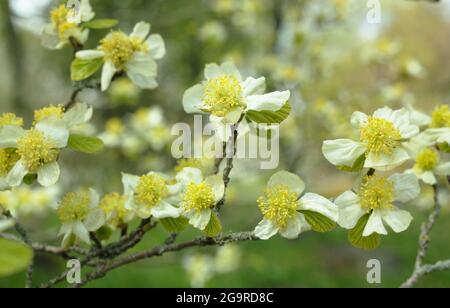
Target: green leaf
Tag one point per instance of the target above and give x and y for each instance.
(85, 144)
(358, 166)
(29, 179)
(356, 238)
(83, 69)
(214, 228)
(444, 147)
(101, 24)
(319, 222)
(270, 117)
(104, 233)
(174, 225)
(14, 257)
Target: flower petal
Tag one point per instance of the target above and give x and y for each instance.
(228, 68)
(374, 225)
(157, 46)
(142, 81)
(56, 130)
(95, 220)
(141, 30)
(319, 204)
(212, 71)
(199, 219)
(383, 162)
(265, 230)
(142, 64)
(268, 102)
(190, 175)
(343, 152)
(192, 99)
(350, 211)
(406, 187)
(17, 173)
(443, 169)
(292, 181)
(217, 185)
(81, 232)
(399, 220)
(108, 73)
(254, 86)
(359, 119)
(79, 114)
(165, 210)
(48, 174)
(129, 183)
(9, 136)
(89, 54)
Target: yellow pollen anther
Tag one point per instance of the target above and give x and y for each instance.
(36, 150)
(60, 20)
(380, 136)
(10, 119)
(441, 117)
(74, 207)
(222, 95)
(49, 111)
(120, 48)
(279, 205)
(376, 192)
(151, 190)
(427, 160)
(198, 197)
(8, 158)
(114, 204)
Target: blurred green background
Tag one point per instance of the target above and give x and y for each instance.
(326, 52)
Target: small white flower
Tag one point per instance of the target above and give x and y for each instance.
(80, 214)
(226, 96)
(75, 117)
(376, 197)
(134, 54)
(428, 165)
(284, 207)
(382, 140)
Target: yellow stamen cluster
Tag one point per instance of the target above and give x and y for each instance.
(198, 197)
(74, 207)
(36, 150)
(222, 95)
(49, 111)
(427, 160)
(279, 205)
(60, 20)
(8, 158)
(114, 126)
(441, 117)
(114, 204)
(380, 136)
(376, 192)
(10, 119)
(119, 48)
(151, 190)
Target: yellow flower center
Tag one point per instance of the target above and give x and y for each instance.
(74, 207)
(198, 197)
(376, 192)
(222, 95)
(151, 190)
(114, 204)
(441, 117)
(10, 119)
(279, 205)
(36, 150)
(427, 160)
(120, 48)
(60, 20)
(49, 111)
(380, 136)
(8, 158)
(114, 126)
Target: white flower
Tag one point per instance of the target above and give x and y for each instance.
(28, 201)
(376, 197)
(149, 196)
(37, 149)
(64, 26)
(76, 116)
(428, 165)
(134, 54)
(382, 138)
(80, 214)
(199, 196)
(285, 210)
(226, 96)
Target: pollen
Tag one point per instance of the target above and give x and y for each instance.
(279, 205)
(36, 150)
(74, 207)
(427, 160)
(380, 136)
(60, 20)
(8, 158)
(10, 119)
(376, 192)
(222, 95)
(49, 111)
(114, 204)
(198, 197)
(114, 126)
(441, 117)
(151, 190)
(120, 48)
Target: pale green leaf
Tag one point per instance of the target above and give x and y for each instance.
(270, 117)
(214, 227)
(85, 144)
(14, 257)
(356, 238)
(319, 222)
(83, 69)
(101, 24)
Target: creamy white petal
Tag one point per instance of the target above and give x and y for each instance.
(418, 118)
(428, 177)
(79, 114)
(268, 102)
(142, 64)
(3, 184)
(81, 232)
(233, 116)
(406, 187)
(56, 130)
(190, 175)
(17, 173)
(9, 136)
(319, 204)
(157, 46)
(94, 199)
(108, 73)
(293, 227)
(48, 174)
(292, 181)
(141, 30)
(399, 220)
(375, 225)
(192, 99)
(265, 230)
(89, 54)
(343, 152)
(86, 12)
(254, 86)
(212, 71)
(199, 219)
(383, 162)
(129, 183)
(443, 169)
(359, 119)
(165, 210)
(95, 220)
(384, 113)
(142, 212)
(229, 68)
(350, 211)
(142, 81)
(217, 185)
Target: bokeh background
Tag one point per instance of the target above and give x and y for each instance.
(325, 52)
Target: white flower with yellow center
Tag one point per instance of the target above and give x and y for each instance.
(226, 96)
(38, 150)
(428, 165)
(283, 207)
(79, 213)
(133, 54)
(377, 196)
(76, 116)
(381, 144)
(149, 196)
(64, 26)
(117, 214)
(199, 196)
